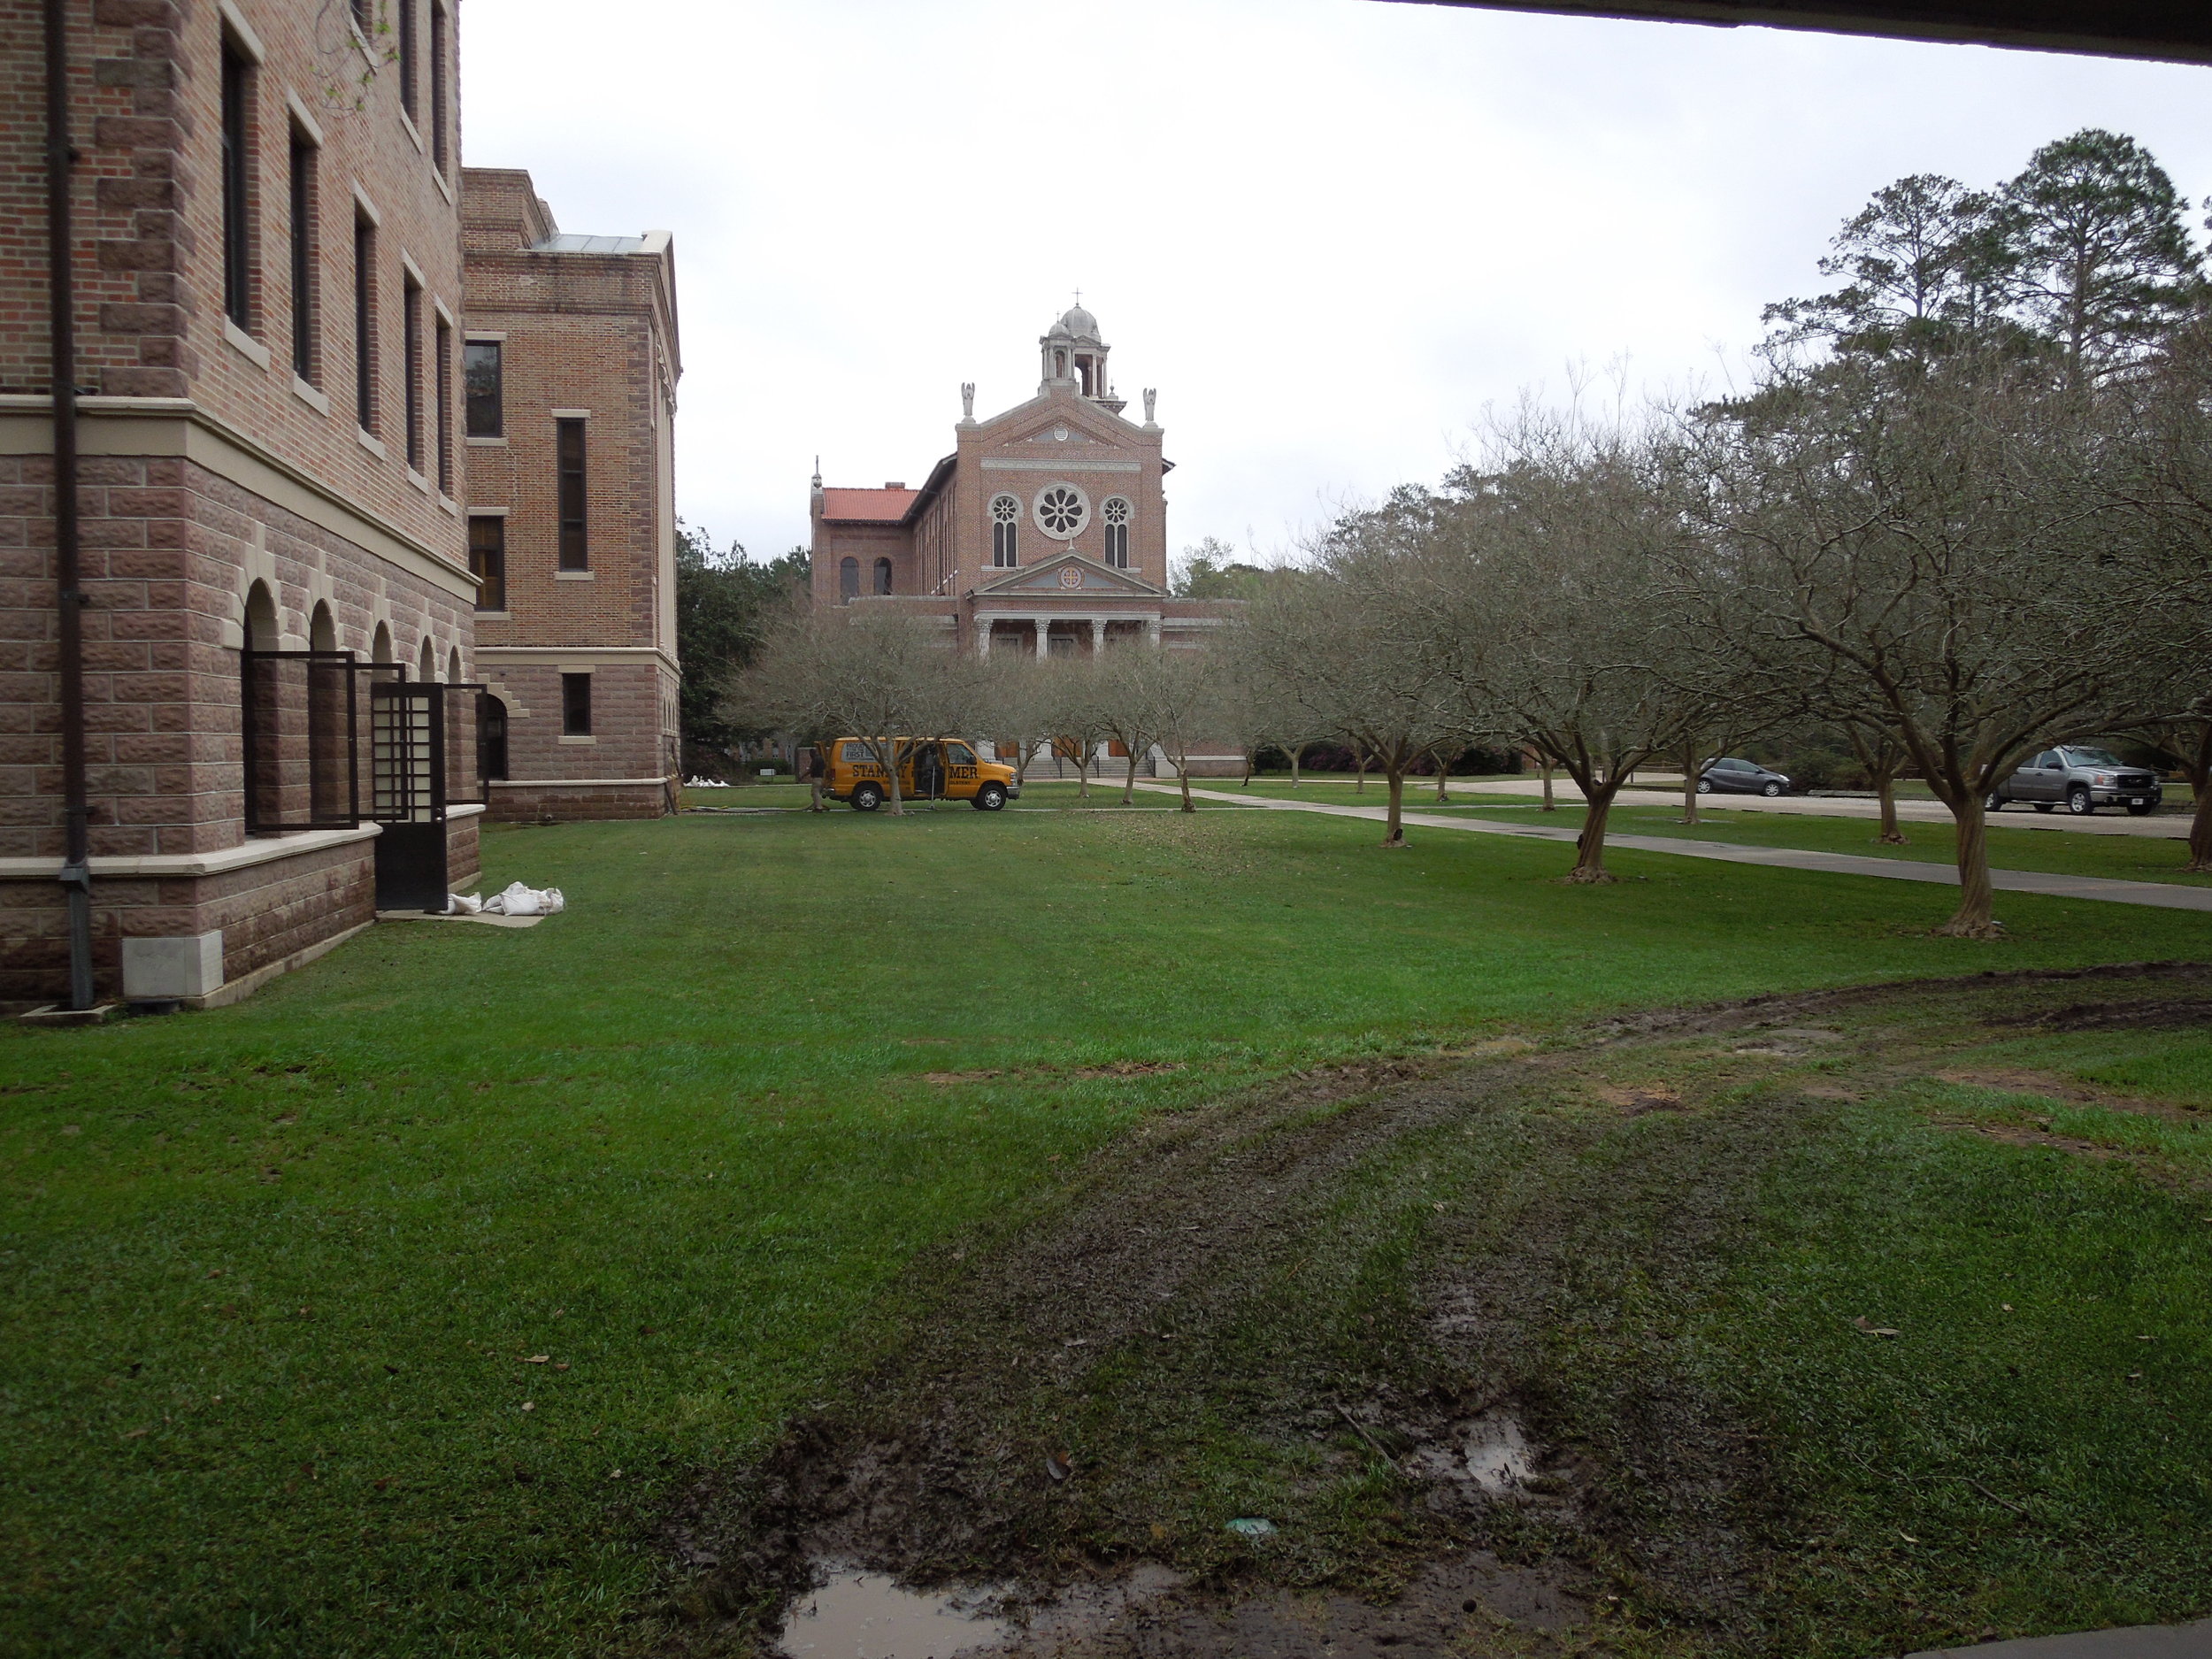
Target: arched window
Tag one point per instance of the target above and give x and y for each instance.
(1006, 516)
(883, 576)
(427, 661)
(329, 682)
(848, 580)
(380, 647)
(1116, 514)
(453, 666)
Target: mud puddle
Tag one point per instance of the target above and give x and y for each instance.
(856, 1614)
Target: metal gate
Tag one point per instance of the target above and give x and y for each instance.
(423, 760)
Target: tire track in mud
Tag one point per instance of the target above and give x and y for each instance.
(941, 1463)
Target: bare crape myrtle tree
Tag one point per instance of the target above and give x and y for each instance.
(1353, 653)
(1941, 539)
(1558, 574)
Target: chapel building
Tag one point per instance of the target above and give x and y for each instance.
(1044, 533)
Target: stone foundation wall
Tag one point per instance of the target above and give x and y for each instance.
(545, 804)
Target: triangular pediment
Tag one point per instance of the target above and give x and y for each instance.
(1070, 574)
(1032, 424)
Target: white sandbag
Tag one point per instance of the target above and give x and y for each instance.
(518, 899)
(463, 905)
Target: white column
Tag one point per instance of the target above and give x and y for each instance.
(1044, 635)
(1098, 635)
(1152, 630)
(983, 636)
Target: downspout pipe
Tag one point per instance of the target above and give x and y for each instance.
(76, 870)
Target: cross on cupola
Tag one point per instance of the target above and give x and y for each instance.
(1074, 354)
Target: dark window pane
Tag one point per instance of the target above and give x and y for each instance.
(569, 445)
(486, 395)
(438, 120)
(364, 324)
(883, 576)
(302, 258)
(488, 562)
(410, 375)
(407, 56)
(575, 705)
(848, 579)
(235, 244)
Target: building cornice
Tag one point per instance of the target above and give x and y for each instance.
(534, 655)
(179, 428)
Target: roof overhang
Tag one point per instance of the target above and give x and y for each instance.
(2178, 31)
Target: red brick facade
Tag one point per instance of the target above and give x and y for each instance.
(221, 491)
(585, 332)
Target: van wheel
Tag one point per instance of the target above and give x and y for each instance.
(867, 797)
(990, 798)
(2077, 802)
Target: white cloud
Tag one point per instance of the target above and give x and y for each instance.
(1329, 231)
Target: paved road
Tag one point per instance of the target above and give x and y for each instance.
(2162, 896)
(2140, 1641)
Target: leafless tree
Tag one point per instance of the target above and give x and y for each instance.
(883, 680)
(1073, 705)
(1942, 537)
(1556, 576)
(1151, 694)
(1352, 651)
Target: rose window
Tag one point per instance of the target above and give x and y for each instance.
(1062, 511)
(1005, 510)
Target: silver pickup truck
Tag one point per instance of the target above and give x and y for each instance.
(2079, 780)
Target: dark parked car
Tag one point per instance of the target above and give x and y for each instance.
(1741, 777)
(2081, 780)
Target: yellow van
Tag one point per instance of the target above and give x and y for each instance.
(932, 769)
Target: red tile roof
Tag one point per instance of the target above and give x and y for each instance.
(870, 506)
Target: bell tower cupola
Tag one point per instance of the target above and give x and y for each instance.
(1074, 356)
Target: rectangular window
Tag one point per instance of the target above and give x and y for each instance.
(569, 449)
(237, 239)
(438, 94)
(575, 705)
(361, 15)
(482, 383)
(488, 561)
(303, 285)
(441, 409)
(407, 100)
(364, 324)
(411, 372)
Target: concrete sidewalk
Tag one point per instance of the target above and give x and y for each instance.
(1910, 810)
(2162, 896)
(2140, 1641)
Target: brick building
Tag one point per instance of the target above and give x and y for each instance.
(571, 377)
(1043, 533)
(264, 244)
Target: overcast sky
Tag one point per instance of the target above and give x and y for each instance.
(1330, 232)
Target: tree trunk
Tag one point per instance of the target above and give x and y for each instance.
(1395, 834)
(1443, 778)
(1296, 750)
(1689, 782)
(1083, 773)
(1359, 768)
(1550, 805)
(2197, 769)
(1886, 788)
(1589, 869)
(1251, 754)
(898, 807)
(1972, 918)
(1129, 787)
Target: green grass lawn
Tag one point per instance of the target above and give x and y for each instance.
(380, 1313)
